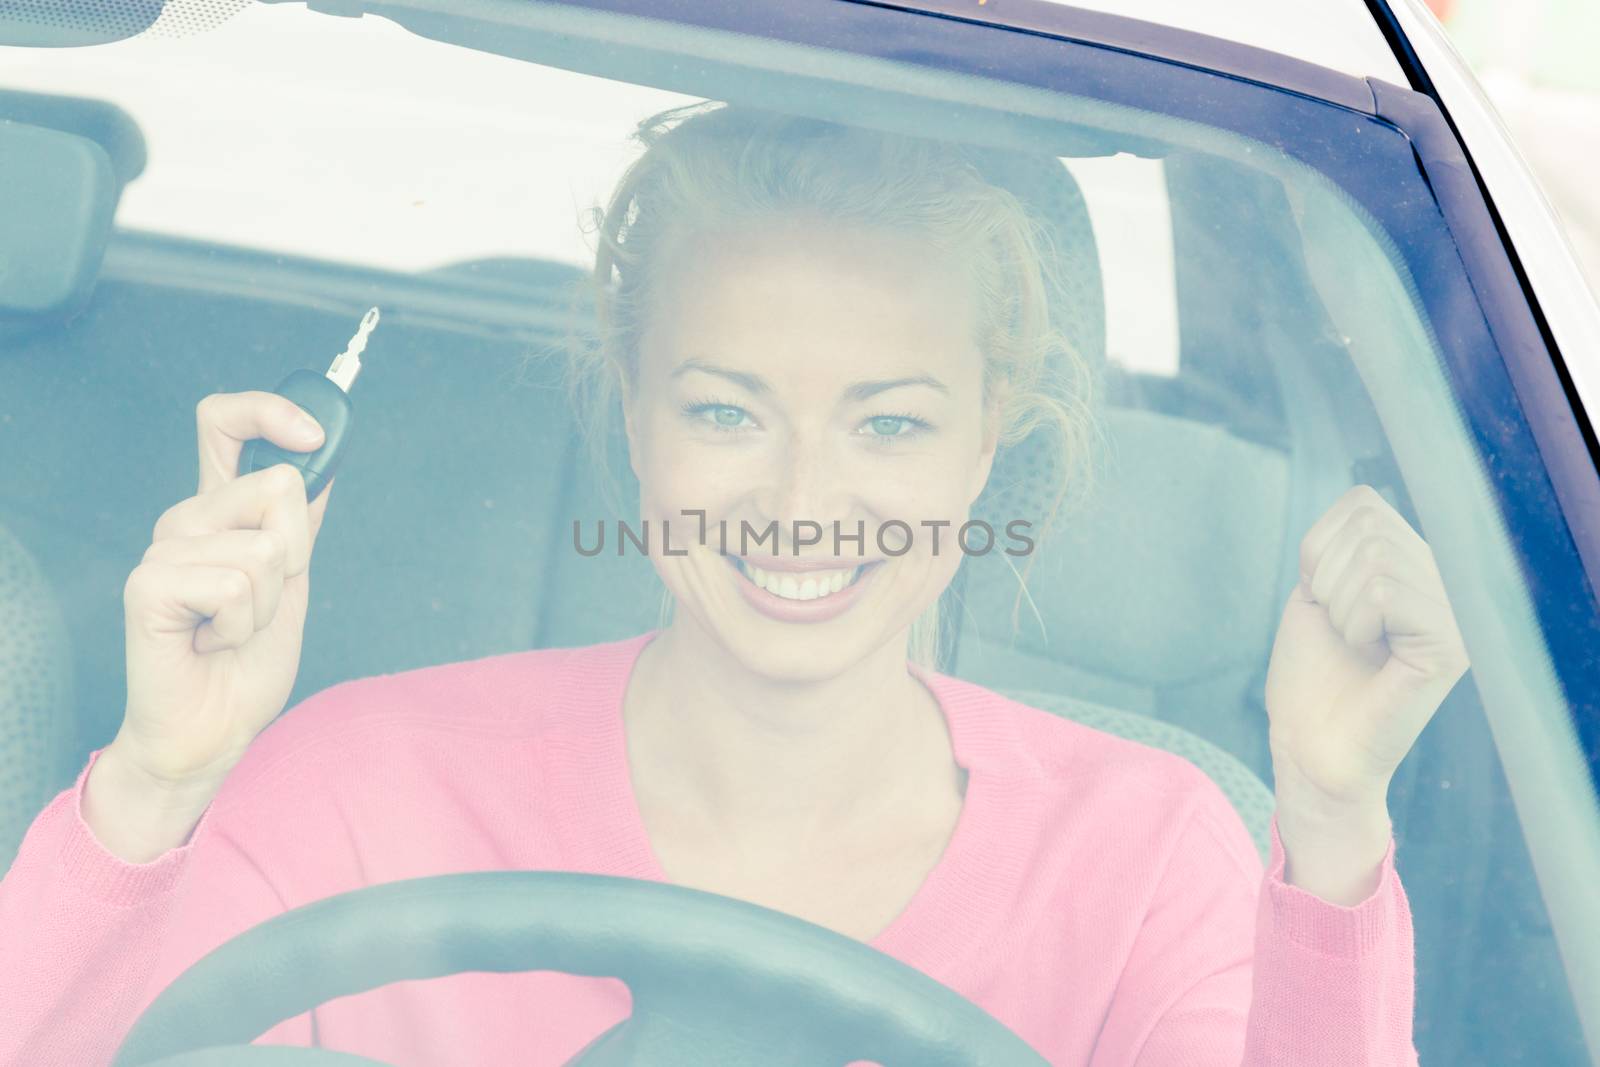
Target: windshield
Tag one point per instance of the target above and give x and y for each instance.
(1128, 364)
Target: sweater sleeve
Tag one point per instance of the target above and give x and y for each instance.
(1235, 966)
(1332, 984)
(89, 940)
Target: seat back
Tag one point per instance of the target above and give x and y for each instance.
(35, 693)
(1158, 594)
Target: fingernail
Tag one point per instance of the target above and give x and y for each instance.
(306, 428)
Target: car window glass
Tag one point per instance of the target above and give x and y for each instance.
(1257, 347)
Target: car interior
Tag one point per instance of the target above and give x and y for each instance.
(450, 525)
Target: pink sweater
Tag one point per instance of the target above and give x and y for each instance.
(1100, 898)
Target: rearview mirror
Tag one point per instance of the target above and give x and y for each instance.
(58, 193)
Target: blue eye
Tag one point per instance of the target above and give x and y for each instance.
(887, 427)
(720, 416)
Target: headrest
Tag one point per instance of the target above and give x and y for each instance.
(1052, 197)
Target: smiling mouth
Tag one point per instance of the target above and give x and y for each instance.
(800, 585)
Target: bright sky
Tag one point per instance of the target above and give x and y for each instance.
(419, 153)
(354, 140)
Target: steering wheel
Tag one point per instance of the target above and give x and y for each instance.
(714, 980)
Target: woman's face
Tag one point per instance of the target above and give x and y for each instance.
(797, 375)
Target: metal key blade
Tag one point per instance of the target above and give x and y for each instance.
(347, 364)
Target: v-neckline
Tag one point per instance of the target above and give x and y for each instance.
(964, 894)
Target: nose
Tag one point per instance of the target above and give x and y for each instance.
(805, 483)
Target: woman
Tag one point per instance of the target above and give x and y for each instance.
(802, 323)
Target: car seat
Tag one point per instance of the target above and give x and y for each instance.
(35, 693)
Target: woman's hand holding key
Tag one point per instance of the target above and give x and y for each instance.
(214, 615)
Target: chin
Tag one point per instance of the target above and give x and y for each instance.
(800, 653)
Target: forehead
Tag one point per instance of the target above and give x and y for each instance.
(811, 300)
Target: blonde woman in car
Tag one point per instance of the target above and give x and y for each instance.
(798, 322)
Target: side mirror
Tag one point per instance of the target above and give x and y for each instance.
(58, 193)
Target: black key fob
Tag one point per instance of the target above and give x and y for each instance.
(330, 406)
(326, 398)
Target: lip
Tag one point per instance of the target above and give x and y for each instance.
(819, 610)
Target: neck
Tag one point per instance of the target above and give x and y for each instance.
(717, 744)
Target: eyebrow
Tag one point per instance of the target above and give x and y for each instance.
(855, 391)
(866, 390)
(754, 383)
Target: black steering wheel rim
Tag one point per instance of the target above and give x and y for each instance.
(711, 977)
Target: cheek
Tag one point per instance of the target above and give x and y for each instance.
(677, 470)
(907, 499)
(933, 483)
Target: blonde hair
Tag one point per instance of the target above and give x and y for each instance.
(714, 168)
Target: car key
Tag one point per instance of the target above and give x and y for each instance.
(326, 398)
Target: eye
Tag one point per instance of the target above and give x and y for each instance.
(720, 416)
(885, 427)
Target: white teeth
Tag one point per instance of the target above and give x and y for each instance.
(809, 586)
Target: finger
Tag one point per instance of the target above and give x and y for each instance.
(1389, 522)
(317, 510)
(271, 499)
(1346, 567)
(229, 627)
(1421, 633)
(260, 554)
(225, 421)
(1322, 533)
(1377, 534)
(1426, 659)
(1357, 608)
(168, 598)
